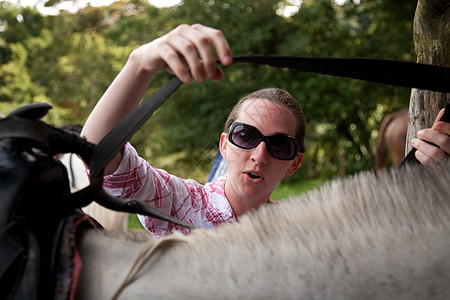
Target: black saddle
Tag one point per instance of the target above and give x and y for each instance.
(36, 203)
(32, 209)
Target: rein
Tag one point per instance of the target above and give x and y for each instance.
(147, 251)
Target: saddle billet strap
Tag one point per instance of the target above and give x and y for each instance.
(397, 73)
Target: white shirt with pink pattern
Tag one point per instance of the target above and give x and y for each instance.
(204, 206)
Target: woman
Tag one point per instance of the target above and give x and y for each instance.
(262, 142)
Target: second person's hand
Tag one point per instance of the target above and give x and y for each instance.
(439, 135)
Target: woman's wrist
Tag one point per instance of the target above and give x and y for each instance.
(142, 62)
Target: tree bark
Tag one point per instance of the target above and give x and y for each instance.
(431, 30)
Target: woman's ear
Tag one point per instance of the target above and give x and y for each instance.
(223, 145)
(295, 164)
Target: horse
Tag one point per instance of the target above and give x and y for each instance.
(391, 137)
(360, 237)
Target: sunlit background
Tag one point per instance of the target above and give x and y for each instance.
(68, 53)
(73, 6)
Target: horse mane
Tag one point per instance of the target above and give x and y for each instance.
(357, 205)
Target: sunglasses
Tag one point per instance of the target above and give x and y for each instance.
(280, 146)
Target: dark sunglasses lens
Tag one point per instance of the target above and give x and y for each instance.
(243, 136)
(247, 137)
(281, 147)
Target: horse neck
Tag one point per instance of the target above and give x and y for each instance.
(106, 259)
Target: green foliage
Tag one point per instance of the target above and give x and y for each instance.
(70, 59)
(286, 189)
(134, 223)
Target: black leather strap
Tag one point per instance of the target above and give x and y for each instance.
(24, 122)
(392, 72)
(113, 142)
(398, 73)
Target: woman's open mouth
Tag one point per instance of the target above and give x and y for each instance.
(253, 177)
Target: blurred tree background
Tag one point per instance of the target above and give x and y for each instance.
(69, 59)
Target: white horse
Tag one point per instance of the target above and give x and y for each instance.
(78, 178)
(357, 238)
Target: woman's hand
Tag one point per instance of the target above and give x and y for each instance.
(186, 51)
(439, 135)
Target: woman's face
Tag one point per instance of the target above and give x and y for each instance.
(254, 173)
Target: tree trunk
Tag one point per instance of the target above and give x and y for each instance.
(432, 44)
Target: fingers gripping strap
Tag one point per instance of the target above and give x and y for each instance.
(411, 156)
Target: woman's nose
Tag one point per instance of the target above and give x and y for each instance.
(260, 154)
